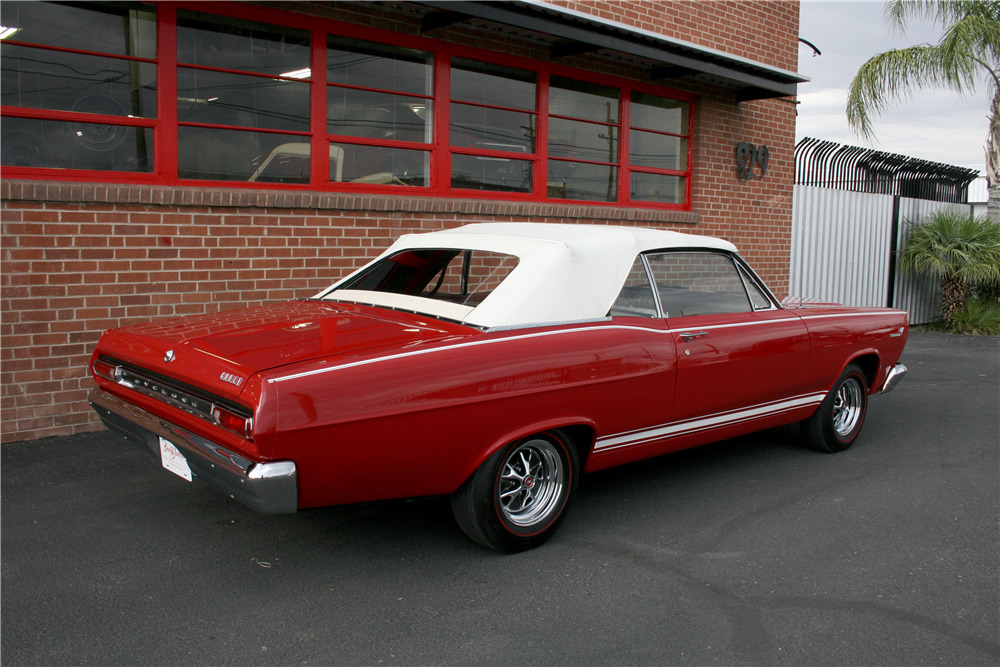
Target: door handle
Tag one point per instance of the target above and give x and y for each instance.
(689, 336)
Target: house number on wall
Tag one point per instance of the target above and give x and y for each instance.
(749, 157)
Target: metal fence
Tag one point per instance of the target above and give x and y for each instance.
(852, 209)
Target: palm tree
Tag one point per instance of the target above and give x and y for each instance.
(960, 250)
(967, 54)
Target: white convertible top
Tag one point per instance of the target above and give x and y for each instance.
(565, 272)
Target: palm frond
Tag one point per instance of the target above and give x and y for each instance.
(890, 77)
(971, 44)
(956, 246)
(943, 12)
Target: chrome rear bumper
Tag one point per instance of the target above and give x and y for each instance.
(892, 377)
(269, 488)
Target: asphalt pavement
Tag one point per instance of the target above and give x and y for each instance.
(751, 551)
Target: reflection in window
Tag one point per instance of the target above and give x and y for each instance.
(28, 142)
(661, 188)
(207, 96)
(374, 115)
(221, 98)
(100, 73)
(697, 283)
(492, 129)
(235, 44)
(44, 79)
(84, 77)
(385, 165)
(493, 123)
(583, 100)
(658, 149)
(379, 96)
(352, 62)
(207, 153)
(124, 29)
(583, 140)
(492, 85)
(478, 172)
(663, 151)
(655, 112)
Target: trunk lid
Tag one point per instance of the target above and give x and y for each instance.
(219, 352)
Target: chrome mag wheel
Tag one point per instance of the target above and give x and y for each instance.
(848, 407)
(531, 484)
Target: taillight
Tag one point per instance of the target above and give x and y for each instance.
(105, 370)
(238, 424)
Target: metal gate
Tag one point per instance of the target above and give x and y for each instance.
(849, 217)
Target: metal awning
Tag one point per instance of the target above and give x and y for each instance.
(568, 32)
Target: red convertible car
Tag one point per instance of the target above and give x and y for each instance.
(493, 363)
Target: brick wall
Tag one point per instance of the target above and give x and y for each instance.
(761, 30)
(81, 258)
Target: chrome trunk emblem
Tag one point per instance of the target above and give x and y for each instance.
(231, 379)
(168, 357)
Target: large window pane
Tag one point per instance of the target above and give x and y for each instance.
(579, 180)
(226, 155)
(495, 85)
(228, 43)
(286, 163)
(29, 142)
(584, 141)
(490, 173)
(353, 62)
(127, 29)
(363, 113)
(492, 129)
(44, 79)
(236, 99)
(379, 165)
(581, 99)
(657, 188)
(654, 112)
(662, 151)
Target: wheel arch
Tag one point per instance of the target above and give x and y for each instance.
(580, 433)
(868, 362)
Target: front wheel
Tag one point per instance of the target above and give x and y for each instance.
(517, 499)
(838, 420)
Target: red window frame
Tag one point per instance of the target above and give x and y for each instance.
(165, 125)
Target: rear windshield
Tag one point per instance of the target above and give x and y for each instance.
(464, 277)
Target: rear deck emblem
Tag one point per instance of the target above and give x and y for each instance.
(168, 357)
(231, 379)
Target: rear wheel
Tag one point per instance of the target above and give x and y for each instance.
(838, 420)
(517, 499)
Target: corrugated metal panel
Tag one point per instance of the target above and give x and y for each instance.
(840, 246)
(918, 296)
(841, 249)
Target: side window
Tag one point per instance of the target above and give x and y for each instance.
(636, 298)
(697, 283)
(757, 296)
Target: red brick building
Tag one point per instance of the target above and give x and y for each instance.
(164, 159)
